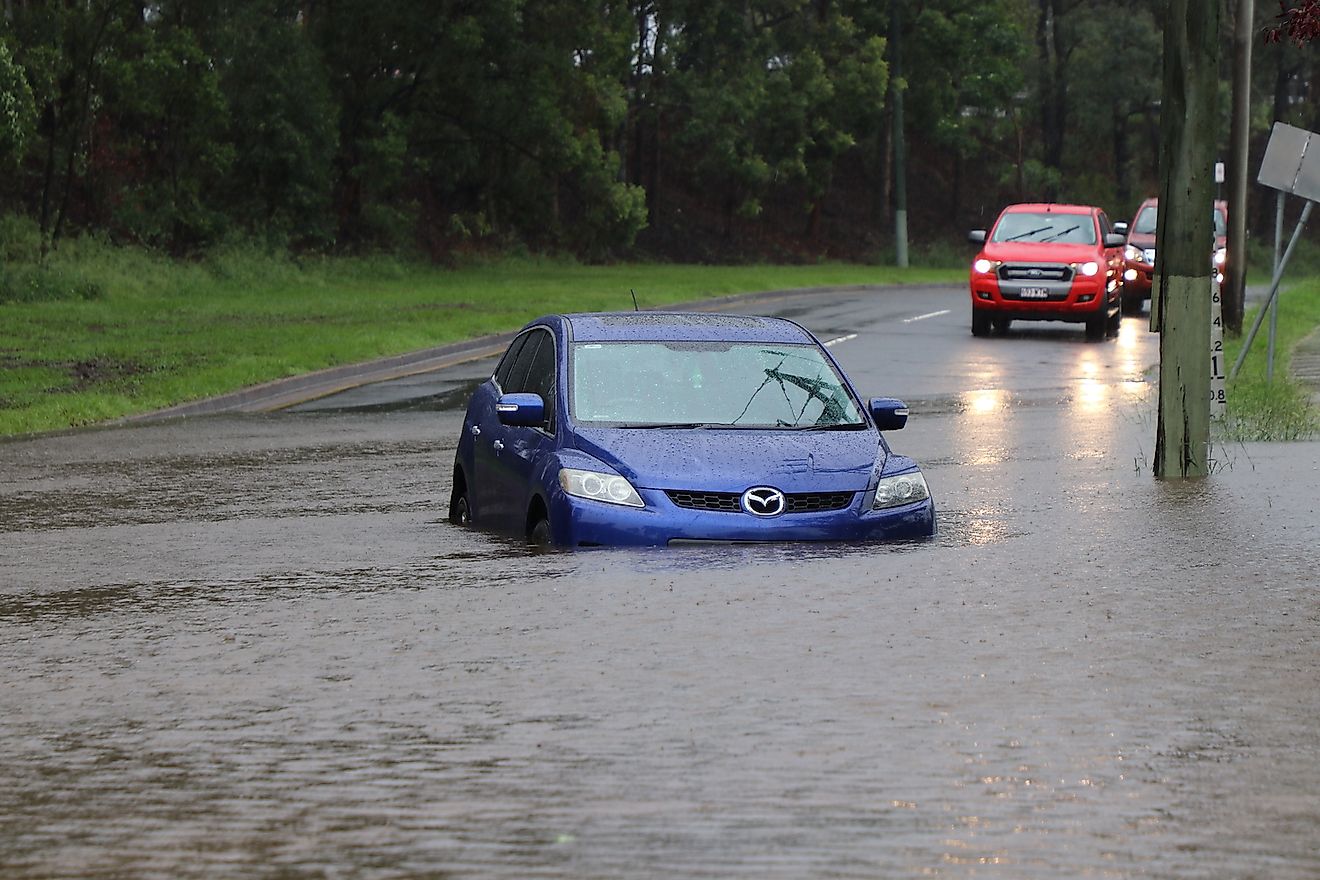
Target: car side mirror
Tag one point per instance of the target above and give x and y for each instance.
(521, 410)
(889, 414)
(1113, 239)
(1121, 228)
(976, 236)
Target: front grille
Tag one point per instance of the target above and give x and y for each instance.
(706, 500)
(814, 502)
(731, 502)
(1035, 272)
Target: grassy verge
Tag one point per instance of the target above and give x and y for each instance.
(146, 332)
(1281, 409)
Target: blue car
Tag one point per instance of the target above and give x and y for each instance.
(648, 428)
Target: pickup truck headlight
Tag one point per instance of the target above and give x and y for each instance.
(609, 488)
(1221, 256)
(902, 489)
(1135, 254)
(1088, 268)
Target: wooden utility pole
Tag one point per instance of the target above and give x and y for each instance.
(1180, 310)
(1235, 271)
(896, 87)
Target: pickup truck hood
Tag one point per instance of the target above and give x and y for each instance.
(1036, 252)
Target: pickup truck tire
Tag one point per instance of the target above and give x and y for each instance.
(980, 323)
(1096, 326)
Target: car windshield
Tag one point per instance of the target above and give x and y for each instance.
(1146, 220)
(1149, 216)
(1045, 228)
(708, 384)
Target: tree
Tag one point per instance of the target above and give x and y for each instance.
(17, 112)
(1300, 24)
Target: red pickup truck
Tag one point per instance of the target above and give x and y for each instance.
(1048, 262)
(1140, 252)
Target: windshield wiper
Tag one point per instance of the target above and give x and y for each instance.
(1061, 232)
(1025, 234)
(833, 426)
(647, 426)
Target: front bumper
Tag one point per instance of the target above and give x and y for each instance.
(1139, 284)
(1076, 300)
(578, 522)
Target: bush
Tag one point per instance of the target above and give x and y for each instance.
(37, 284)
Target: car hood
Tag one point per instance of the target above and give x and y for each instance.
(1035, 252)
(715, 460)
(1147, 240)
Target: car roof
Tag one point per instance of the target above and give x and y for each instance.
(682, 326)
(1048, 208)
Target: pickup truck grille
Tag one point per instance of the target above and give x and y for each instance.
(1028, 272)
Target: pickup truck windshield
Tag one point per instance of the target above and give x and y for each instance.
(1045, 228)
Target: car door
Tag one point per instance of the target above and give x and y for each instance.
(526, 446)
(522, 447)
(487, 436)
(1114, 262)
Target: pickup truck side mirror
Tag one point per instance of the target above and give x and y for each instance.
(1113, 239)
(976, 236)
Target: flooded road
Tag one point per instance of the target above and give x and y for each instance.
(250, 645)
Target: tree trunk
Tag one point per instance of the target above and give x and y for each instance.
(1120, 129)
(1053, 88)
(1180, 304)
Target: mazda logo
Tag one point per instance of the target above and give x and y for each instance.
(763, 501)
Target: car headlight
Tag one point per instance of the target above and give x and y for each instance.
(984, 266)
(1089, 268)
(1135, 254)
(900, 490)
(1221, 256)
(610, 488)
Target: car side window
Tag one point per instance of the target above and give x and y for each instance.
(517, 382)
(506, 365)
(541, 376)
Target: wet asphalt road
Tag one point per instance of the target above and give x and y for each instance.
(250, 646)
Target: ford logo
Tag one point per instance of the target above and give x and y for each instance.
(763, 501)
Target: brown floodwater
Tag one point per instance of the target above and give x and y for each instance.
(252, 646)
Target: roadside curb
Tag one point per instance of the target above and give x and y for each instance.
(279, 394)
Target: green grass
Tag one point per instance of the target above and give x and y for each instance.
(1281, 409)
(159, 332)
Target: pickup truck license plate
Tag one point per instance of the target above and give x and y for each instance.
(1035, 292)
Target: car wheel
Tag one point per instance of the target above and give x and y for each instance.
(1131, 304)
(980, 323)
(460, 510)
(1095, 327)
(1114, 324)
(539, 534)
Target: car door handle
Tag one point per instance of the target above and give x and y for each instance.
(498, 444)
(476, 431)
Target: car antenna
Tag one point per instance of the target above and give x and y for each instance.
(634, 296)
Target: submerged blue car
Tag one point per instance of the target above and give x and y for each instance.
(650, 428)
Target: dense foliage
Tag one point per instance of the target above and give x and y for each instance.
(692, 129)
